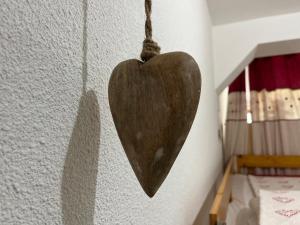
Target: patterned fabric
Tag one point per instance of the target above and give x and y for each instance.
(259, 183)
(280, 104)
(247, 208)
(279, 207)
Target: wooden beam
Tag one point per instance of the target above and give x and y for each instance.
(263, 161)
(218, 211)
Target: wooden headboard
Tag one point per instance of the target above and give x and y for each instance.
(263, 161)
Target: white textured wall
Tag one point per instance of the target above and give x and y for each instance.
(235, 44)
(61, 161)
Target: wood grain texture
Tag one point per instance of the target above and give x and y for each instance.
(219, 208)
(263, 161)
(153, 105)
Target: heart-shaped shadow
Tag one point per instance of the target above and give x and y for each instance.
(153, 105)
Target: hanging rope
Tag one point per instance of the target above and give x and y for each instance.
(150, 47)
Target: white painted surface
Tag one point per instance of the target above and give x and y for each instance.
(223, 104)
(61, 161)
(237, 44)
(229, 11)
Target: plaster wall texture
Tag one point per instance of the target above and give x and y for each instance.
(61, 161)
(237, 44)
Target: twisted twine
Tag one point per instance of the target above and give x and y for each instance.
(150, 47)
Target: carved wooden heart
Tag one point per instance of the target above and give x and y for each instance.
(153, 105)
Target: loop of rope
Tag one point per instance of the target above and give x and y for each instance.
(150, 47)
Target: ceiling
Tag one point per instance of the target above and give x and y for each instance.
(229, 11)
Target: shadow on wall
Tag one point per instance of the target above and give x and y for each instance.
(78, 190)
(79, 180)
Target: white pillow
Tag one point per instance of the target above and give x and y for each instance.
(254, 205)
(246, 216)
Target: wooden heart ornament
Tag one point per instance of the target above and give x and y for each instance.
(153, 105)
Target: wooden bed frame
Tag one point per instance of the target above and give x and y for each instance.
(218, 210)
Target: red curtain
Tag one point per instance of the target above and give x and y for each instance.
(270, 73)
(238, 85)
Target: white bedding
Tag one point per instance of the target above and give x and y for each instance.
(241, 189)
(246, 188)
(279, 207)
(273, 183)
(233, 210)
(241, 195)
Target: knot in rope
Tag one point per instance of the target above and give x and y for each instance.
(150, 47)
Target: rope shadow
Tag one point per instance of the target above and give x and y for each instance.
(79, 180)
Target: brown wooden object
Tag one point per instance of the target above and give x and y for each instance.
(153, 105)
(263, 161)
(218, 210)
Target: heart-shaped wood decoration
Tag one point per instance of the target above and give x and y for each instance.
(153, 105)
